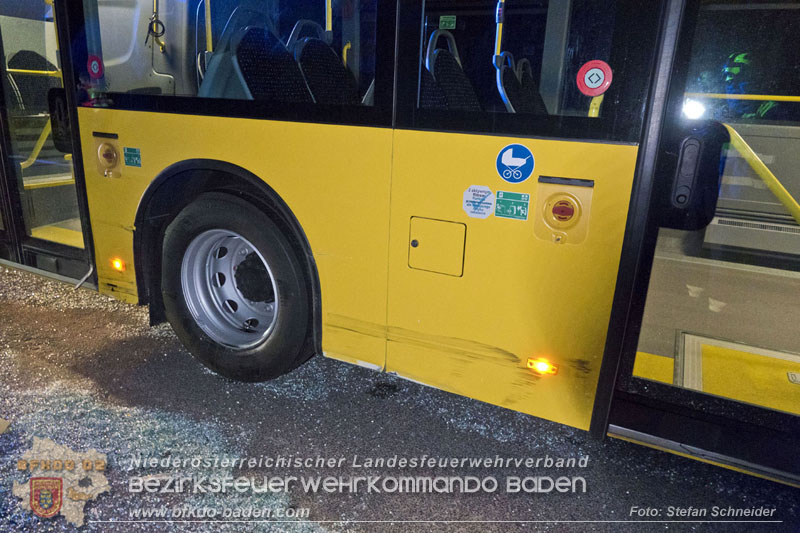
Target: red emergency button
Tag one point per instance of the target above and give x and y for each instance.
(95, 67)
(107, 156)
(563, 210)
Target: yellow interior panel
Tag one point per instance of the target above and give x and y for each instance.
(335, 179)
(520, 296)
(66, 236)
(42, 182)
(752, 378)
(654, 367)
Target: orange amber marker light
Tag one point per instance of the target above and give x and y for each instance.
(118, 264)
(542, 366)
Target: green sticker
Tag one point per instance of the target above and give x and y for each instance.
(447, 22)
(512, 205)
(133, 157)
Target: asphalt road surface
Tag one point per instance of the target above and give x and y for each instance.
(87, 372)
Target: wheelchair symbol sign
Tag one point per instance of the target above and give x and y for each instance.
(515, 163)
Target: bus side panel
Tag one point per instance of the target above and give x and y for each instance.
(335, 179)
(521, 295)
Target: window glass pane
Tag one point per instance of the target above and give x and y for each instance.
(743, 55)
(42, 169)
(722, 306)
(278, 50)
(542, 46)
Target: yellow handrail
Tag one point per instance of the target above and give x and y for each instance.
(594, 106)
(53, 73)
(766, 175)
(328, 15)
(760, 97)
(37, 148)
(345, 49)
(209, 44)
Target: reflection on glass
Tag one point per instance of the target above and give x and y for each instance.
(722, 306)
(44, 175)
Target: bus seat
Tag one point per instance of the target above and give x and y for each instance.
(448, 75)
(530, 90)
(517, 99)
(251, 62)
(223, 77)
(329, 80)
(32, 88)
(430, 95)
(269, 71)
(307, 26)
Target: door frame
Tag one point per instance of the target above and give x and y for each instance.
(638, 247)
(658, 66)
(713, 429)
(24, 249)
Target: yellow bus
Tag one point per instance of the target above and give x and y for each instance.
(540, 205)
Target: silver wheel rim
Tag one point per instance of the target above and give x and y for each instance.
(226, 290)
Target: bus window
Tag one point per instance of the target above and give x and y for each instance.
(703, 329)
(528, 67)
(42, 173)
(520, 56)
(750, 79)
(298, 52)
(732, 60)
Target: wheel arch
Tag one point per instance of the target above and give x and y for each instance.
(176, 187)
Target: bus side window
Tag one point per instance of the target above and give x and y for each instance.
(512, 56)
(275, 50)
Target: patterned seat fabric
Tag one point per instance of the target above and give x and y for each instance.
(328, 79)
(453, 83)
(269, 70)
(430, 95)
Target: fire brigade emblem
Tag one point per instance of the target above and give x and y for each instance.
(46, 496)
(81, 480)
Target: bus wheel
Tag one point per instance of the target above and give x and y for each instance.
(233, 289)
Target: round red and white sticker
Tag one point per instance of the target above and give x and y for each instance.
(594, 78)
(95, 67)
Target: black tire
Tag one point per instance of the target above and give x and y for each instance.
(282, 349)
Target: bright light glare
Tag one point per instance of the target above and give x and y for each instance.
(542, 366)
(118, 264)
(693, 109)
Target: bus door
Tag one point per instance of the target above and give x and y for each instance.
(719, 337)
(508, 221)
(42, 223)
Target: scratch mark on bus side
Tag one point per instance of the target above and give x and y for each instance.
(462, 347)
(582, 366)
